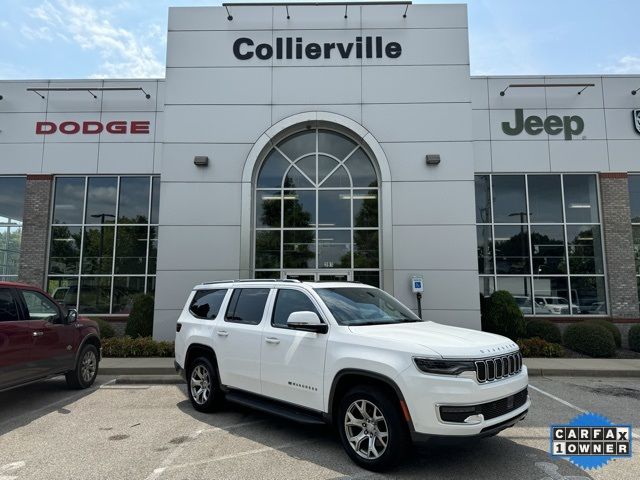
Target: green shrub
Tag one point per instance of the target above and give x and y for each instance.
(140, 322)
(503, 316)
(106, 330)
(136, 347)
(609, 326)
(537, 347)
(591, 339)
(634, 338)
(544, 329)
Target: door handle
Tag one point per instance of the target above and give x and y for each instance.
(222, 333)
(38, 334)
(273, 340)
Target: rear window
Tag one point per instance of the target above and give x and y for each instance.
(247, 305)
(206, 303)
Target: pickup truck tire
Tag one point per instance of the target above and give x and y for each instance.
(203, 386)
(372, 429)
(86, 369)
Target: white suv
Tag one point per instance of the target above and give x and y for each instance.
(350, 355)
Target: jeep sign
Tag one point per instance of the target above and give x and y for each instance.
(553, 125)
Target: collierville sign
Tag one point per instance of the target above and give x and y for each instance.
(116, 127)
(290, 48)
(553, 125)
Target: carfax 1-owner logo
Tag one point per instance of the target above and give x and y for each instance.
(591, 440)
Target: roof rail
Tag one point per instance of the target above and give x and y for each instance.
(251, 280)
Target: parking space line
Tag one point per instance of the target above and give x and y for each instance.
(570, 405)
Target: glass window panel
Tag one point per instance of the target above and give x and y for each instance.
(334, 249)
(339, 178)
(131, 250)
(334, 208)
(14, 238)
(636, 246)
(155, 199)
(8, 307)
(487, 286)
(267, 274)
(369, 278)
(325, 166)
(334, 144)
(272, 170)
(295, 179)
(151, 286)
(545, 198)
(268, 249)
(483, 199)
(268, 208)
(299, 144)
(64, 256)
(548, 249)
(585, 249)
(581, 198)
(39, 306)
(134, 200)
(299, 208)
(551, 296)
(69, 200)
(520, 288)
(365, 249)
(512, 249)
(299, 249)
(509, 199)
(101, 200)
(247, 305)
(634, 197)
(308, 166)
(365, 208)
(95, 293)
(124, 291)
(97, 255)
(287, 302)
(153, 250)
(12, 200)
(207, 303)
(362, 172)
(588, 295)
(64, 290)
(485, 249)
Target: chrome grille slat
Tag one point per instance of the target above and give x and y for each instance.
(499, 367)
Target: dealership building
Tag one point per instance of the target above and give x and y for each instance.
(325, 142)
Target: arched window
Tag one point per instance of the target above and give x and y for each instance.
(317, 210)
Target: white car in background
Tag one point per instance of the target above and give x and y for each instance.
(349, 355)
(554, 305)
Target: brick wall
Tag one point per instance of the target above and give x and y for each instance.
(618, 240)
(35, 230)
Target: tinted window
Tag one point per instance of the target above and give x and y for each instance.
(39, 306)
(287, 302)
(8, 309)
(247, 305)
(206, 303)
(509, 199)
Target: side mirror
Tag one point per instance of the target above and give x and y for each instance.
(72, 316)
(307, 321)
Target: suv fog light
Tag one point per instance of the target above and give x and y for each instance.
(474, 419)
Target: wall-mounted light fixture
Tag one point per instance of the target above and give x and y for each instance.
(1, 97)
(433, 159)
(201, 160)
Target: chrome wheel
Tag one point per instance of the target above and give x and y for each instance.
(200, 384)
(88, 366)
(366, 429)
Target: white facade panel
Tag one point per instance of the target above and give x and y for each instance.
(20, 158)
(408, 162)
(482, 156)
(480, 124)
(340, 85)
(20, 127)
(70, 158)
(180, 283)
(207, 18)
(125, 157)
(479, 93)
(520, 156)
(130, 101)
(323, 18)
(617, 92)
(438, 203)
(443, 289)
(226, 161)
(280, 112)
(16, 98)
(417, 16)
(624, 155)
(620, 124)
(519, 97)
(579, 156)
(183, 204)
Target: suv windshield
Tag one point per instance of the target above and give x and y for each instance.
(364, 306)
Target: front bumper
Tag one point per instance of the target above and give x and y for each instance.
(424, 394)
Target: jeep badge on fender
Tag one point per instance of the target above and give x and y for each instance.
(553, 125)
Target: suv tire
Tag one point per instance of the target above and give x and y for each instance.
(204, 387)
(372, 429)
(86, 369)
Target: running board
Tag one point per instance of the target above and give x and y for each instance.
(275, 407)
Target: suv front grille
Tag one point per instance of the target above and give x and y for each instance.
(489, 410)
(496, 368)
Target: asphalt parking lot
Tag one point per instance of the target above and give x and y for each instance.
(117, 431)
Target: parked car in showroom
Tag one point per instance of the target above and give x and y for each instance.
(41, 339)
(349, 355)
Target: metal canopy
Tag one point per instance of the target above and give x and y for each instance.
(89, 89)
(545, 85)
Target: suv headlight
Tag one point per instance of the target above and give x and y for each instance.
(443, 366)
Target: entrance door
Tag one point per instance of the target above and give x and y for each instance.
(320, 276)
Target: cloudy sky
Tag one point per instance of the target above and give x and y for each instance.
(127, 38)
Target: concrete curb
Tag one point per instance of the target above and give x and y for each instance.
(149, 380)
(117, 371)
(562, 372)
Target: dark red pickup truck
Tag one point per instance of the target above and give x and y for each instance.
(40, 339)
